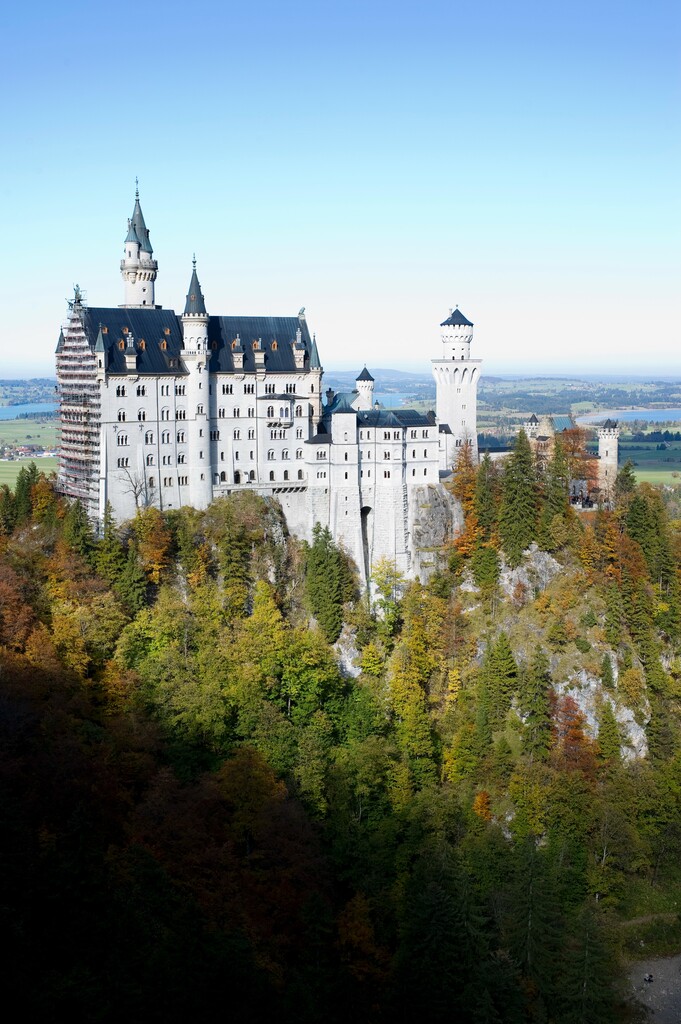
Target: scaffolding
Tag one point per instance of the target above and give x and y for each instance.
(79, 413)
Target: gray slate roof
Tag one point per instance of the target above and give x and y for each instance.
(140, 227)
(195, 302)
(151, 326)
(364, 375)
(456, 319)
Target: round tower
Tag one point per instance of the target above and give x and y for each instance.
(608, 452)
(195, 356)
(138, 266)
(456, 377)
(365, 390)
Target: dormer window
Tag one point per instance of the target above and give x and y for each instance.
(255, 346)
(163, 345)
(121, 345)
(274, 346)
(125, 330)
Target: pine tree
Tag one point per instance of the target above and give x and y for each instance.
(109, 556)
(614, 616)
(131, 586)
(518, 516)
(555, 506)
(8, 512)
(609, 734)
(77, 530)
(323, 582)
(28, 476)
(486, 488)
(534, 702)
(607, 677)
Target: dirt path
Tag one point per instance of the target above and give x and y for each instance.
(661, 996)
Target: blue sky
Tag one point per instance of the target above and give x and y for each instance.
(376, 163)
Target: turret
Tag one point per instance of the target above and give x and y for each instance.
(608, 453)
(195, 356)
(456, 376)
(365, 390)
(138, 266)
(457, 334)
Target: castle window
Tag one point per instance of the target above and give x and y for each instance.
(237, 435)
(425, 432)
(413, 453)
(121, 415)
(299, 453)
(274, 346)
(251, 435)
(270, 455)
(150, 460)
(346, 476)
(425, 453)
(151, 482)
(121, 345)
(386, 474)
(249, 389)
(179, 389)
(346, 456)
(396, 435)
(122, 440)
(235, 413)
(181, 459)
(321, 453)
(386, 435)
(141, 415)
(270, 411)
(181, 414)
(165, 414)
(285, 474)
(120, 391)
(221, 414)
(149, 437)
(215, 435)
(414, 434)
(227, 389)
(299, 410)
(199, 410)
(236, 456)
(299, 432)
(269, 389)
(271, 474)
(250, 455)
(180, 437)
(183, 481)
(223, 477)
(141, 391)
(386, 455)
(123, 463)
(165, 437)
(413, 472)
(425, 472)
(142, 344)
(255, 346)
(163, 345)
(251, 475)
(300, 474)
(284, 454)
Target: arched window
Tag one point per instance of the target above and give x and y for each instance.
(251, 475)
(141, 415)
(284, 454)
(150, 460)
(199, 410)
(271, 474)
(299, 453)
(300, 474)
(121, 415)
(151, 481)
(149, 437)
(285, 474)
(270, 455)
(120, 391)
(141, 390)
(223, 477)
(237, 477)
(299, 410)
(270, 411)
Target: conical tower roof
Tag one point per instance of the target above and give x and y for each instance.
(195, 304)
(137, 222)
(456, 319)
(314, 355)
(364, 375)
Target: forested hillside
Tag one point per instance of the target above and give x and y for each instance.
(464, 809)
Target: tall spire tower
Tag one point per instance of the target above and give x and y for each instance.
(456, 376)
(138, 266)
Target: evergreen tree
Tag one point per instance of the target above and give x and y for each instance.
(534, 702)
(131, 586)
(77, 530)
(614, 616)
(518, 516)
(485, 569)
(625, 484)
(8, 512)
(486, 498)
(609, 734)
(607, 677)
(28, 476)
(324, 582)
(109, 556)
(555, 506)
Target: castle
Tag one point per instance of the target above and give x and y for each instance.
(167, 410)
(542, 432)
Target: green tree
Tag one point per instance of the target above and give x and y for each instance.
(518, 515)
(109, 556)
(325, 582)
(28, 476)
(486, 498)
(534, 702)
(77, 530)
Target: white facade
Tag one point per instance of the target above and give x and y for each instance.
(608, 454)
(166, 410)
(456, 377)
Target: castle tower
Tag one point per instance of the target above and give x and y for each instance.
(195, 357)
(365, 390)
(456, 376)
(138, 266)
(608, 451)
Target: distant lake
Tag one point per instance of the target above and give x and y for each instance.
(13, 412)
(391, 400)
(627, 415)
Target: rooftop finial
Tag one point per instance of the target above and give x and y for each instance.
(194, 261)
(137, 188)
